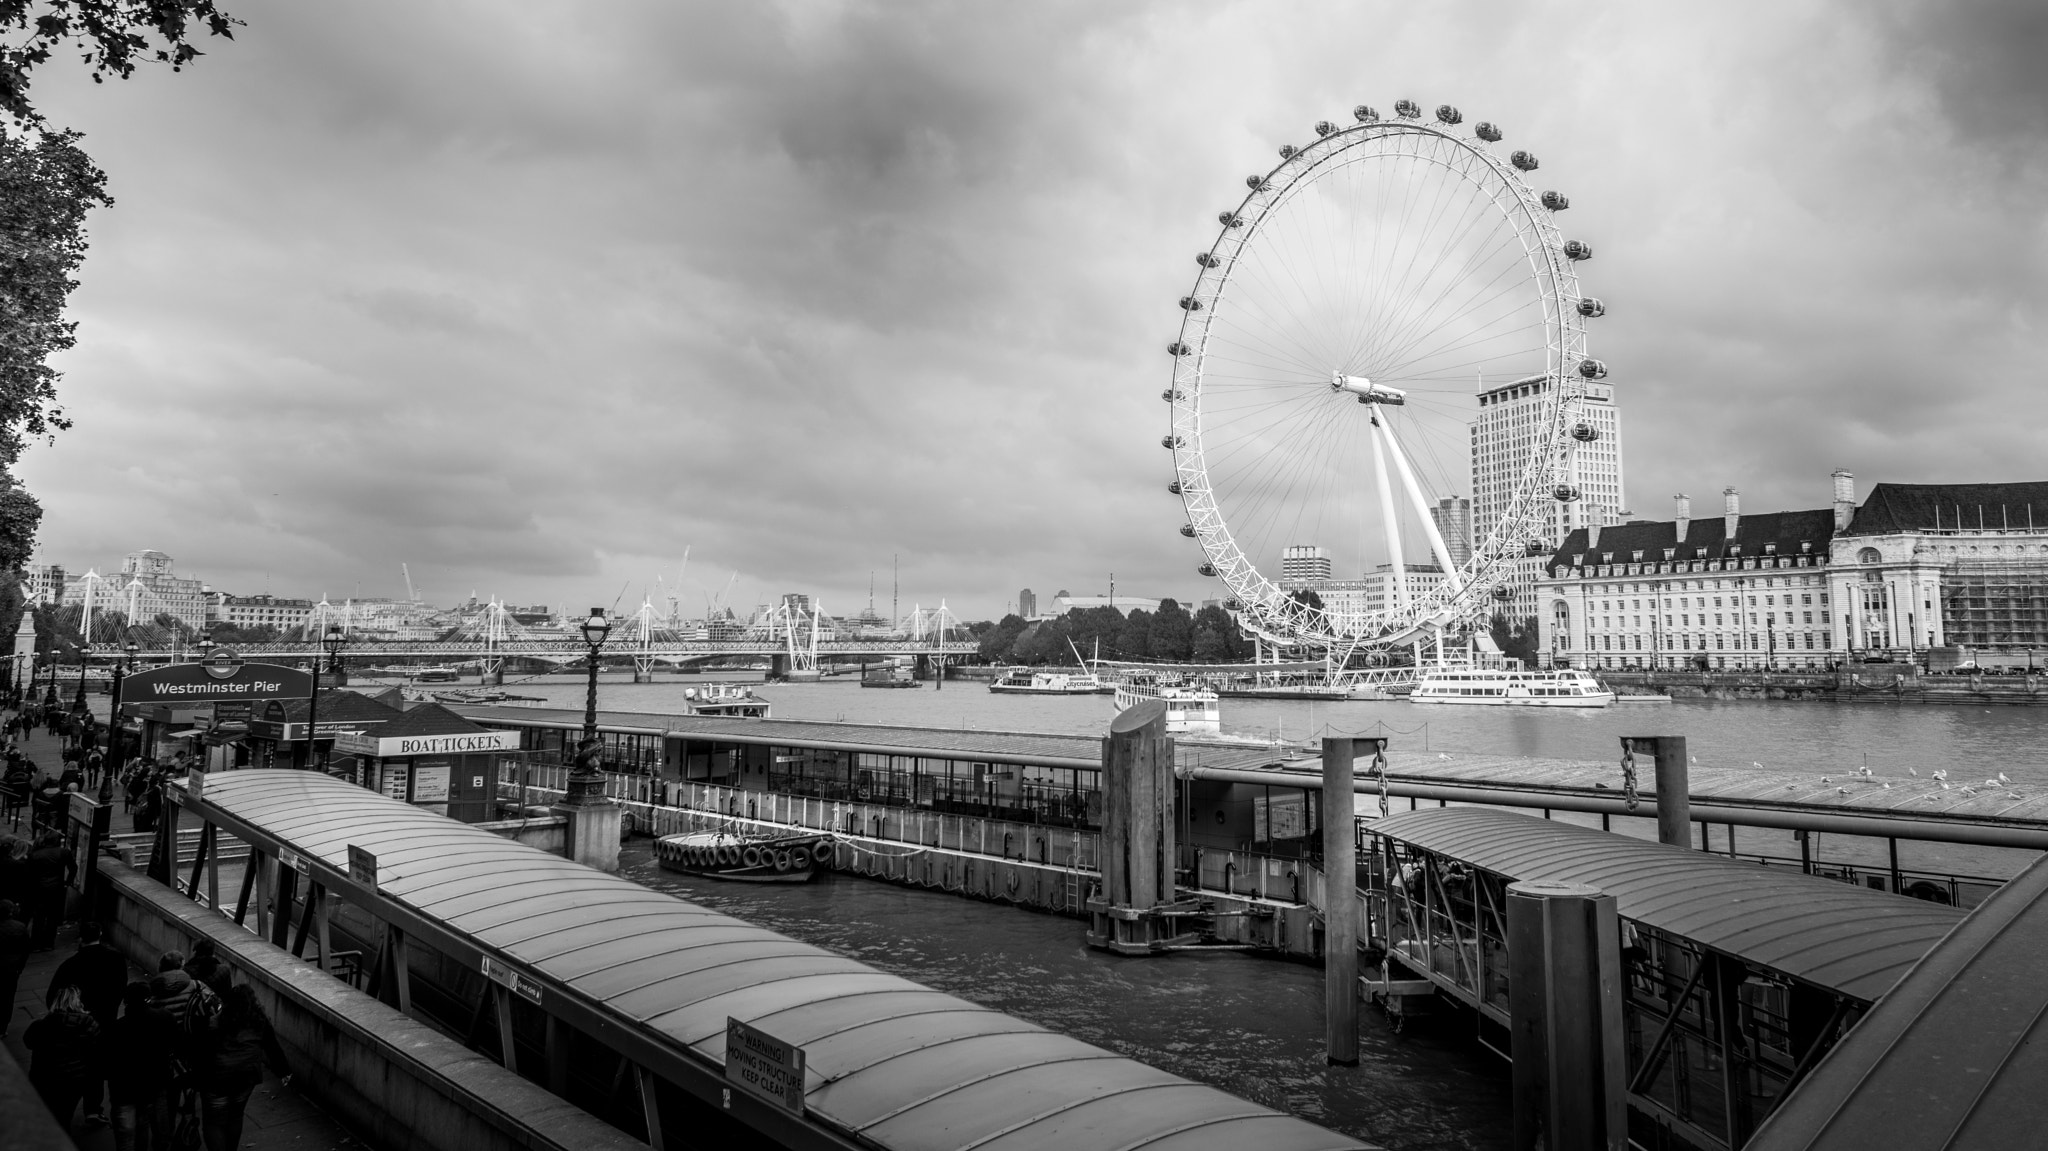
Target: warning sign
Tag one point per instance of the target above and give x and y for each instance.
(764, 1066)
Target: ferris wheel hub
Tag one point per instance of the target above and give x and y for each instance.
(1366, 391)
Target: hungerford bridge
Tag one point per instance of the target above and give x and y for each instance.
(790, 643)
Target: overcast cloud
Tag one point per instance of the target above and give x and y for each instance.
(533, 296)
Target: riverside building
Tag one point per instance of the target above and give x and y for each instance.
(1956, 566)
(1511, 425)
(1724, 593)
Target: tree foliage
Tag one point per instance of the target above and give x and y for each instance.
(1520, 641)
(1167, 635)
(112, 38)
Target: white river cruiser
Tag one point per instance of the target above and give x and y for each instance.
(1025, 681)
(1563, 687)
(1189, 709)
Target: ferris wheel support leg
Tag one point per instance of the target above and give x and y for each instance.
(1421, 503)
(1399, 599)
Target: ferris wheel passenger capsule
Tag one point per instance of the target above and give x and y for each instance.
(1592, 308)
(1565, 493)
(1208, 259)
(1206, 569)
(1324, 127)
(1230, 219)
(1172, 394)
(1177, 349)
(1255, 182)
(1174, 487)
(1190, 304)
(1556, 201)
(1365, 113)
(1171, 441)
(1526, 161)
(1578, 250)
(1232, 605)
(1585, 433)
(1487, 132)
(1188, 530)
(1287, 151)
(1592, 369)
(1446, 114)
(1407, 109)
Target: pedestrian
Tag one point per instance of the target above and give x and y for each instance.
(136, 1058)
(206, 966)
(13, 957)
(64, 1046)
(138, 782)
(184, 1003)
(101, 974)
(242, 1043)
(50, 871)
(14, 882)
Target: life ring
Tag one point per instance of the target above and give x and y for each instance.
(1012, 882)
(821, 853)
(1923, 889)
(750, 856)
(783, 864)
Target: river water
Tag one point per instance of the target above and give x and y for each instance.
(1251, 1025)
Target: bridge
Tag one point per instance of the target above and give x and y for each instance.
(490, 653)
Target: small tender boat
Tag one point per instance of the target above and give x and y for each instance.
(745, 859)
(727, 699)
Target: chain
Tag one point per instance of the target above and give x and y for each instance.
(1379, 770)
(1628, 773)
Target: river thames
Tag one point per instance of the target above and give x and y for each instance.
(1253, 1025)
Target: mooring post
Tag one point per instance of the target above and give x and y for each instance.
(1340, 906)
(1138, 841)
(1673, 784)
(1564, 998)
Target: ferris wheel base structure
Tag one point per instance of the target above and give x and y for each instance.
(1355, 304)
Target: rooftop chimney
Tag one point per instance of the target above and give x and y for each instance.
(1592, 533)
(1845, 498)
(1684, 513)
(1731, 513)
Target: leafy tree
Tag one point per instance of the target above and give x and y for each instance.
(1216, 638)
(1001, 636)
(1516, 642)
(1103, 625)
(1134, 639)
(1173, 632)
(112, 37)
(1306, 597)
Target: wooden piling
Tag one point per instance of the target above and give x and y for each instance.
(1135, 913)
(1340, 906)
(1564, 998)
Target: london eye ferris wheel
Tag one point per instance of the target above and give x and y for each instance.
(1332, 352)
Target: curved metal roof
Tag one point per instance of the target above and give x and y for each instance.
(1953, 1058)
(1835, 935)
(888, 1060)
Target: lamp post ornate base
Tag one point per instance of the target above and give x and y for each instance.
(592, 835)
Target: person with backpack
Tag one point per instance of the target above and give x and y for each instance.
(101, 974)
(242, 1043)
(136, 1059)
(206, 966)
(64, 1048)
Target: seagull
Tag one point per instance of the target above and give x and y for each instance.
(1864, 772)
(2002, 779)
(1754, 763)
(1695, 759)
(2014, 795)
(1825, 779)
(1791, 787)
(1969, 791)
(1913, 770)
(1941, 773)
(1944, 785)
(1887, 785)
(1841, 791)
(1441, 755)
(1995, 782)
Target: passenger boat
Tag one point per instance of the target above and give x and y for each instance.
(443, 674)
(1025, 681)
(745, 859)
(727, 699)
(1188, 708)
(1562, 687)
(894, 676)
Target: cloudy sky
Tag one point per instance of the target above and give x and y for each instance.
(531, 297)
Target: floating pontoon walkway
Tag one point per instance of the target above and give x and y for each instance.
(888, 1063)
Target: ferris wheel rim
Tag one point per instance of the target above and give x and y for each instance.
(1258, 601)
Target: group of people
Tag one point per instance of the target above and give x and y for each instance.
(156, 1058)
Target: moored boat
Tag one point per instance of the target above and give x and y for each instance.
(728, 699)
(1499, 687)
(744, 859)
(1025, 681)
(1188, 708)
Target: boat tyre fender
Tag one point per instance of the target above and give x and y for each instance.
(751, 857)
(821, 853)
(728, 855)
(783, 864)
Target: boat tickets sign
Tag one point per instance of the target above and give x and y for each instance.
(408, 746)
(216, 681)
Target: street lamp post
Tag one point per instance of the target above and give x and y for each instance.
(121, 668)
(586, 782)
(331, 644)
